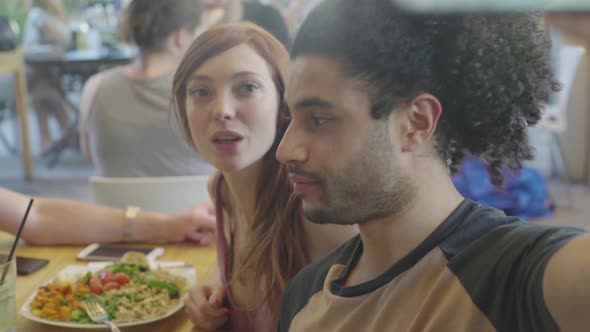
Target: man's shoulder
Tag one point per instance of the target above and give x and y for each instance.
(500, 262)
(311, 279)
(314, 274)
(486, 227)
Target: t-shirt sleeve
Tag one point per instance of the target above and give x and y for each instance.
(503, 273)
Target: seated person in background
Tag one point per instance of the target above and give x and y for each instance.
(126, 127)
(60, 221)
(232, 11)
(385, 104)
(46, 25)
(228, 94)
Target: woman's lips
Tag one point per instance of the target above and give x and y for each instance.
(226, 140)
(227, 145)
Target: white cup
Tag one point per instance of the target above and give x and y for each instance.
(8, 295)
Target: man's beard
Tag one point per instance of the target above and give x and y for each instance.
(359, 203)
(372, 186)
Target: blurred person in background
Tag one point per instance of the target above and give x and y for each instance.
(297, 11)
(232, 11)
(55, 221)
(126, 127)
(46, 30)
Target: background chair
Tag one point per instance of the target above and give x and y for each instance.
(160, 194)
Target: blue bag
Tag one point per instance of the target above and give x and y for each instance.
(523, 195)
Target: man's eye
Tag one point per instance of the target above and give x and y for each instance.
(318, 121)
(287, 115)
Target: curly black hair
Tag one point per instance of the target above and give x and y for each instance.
(491, 73)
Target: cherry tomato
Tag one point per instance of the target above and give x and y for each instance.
(121, 278)
(95, 285)
(106, 276)
(110, 285)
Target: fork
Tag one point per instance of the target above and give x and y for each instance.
(97, 313)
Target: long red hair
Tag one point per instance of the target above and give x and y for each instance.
(276, 250)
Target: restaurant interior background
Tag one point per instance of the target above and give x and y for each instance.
(559, 174)
(65, 173)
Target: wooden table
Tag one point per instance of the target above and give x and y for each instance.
(11, 62)
(203, 258)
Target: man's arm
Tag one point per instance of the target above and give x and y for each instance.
(60, 221)
(566, 285)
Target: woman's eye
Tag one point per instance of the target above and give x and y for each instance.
(248, 88)
(200, 92)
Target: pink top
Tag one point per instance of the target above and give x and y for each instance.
(258, 319)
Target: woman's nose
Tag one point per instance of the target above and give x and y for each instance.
(224, 109)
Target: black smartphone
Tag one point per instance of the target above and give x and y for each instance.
(28, 265)
(114, 252)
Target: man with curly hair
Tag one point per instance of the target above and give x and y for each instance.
(385, 105)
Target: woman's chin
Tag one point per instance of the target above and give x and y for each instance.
(230, 166)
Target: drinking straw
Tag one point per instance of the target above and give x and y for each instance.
(20, 229)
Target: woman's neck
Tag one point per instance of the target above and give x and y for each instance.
(150, 65)
(242, 191)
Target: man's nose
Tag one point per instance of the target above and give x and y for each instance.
(292, 147)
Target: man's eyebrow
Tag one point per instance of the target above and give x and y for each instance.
(313, 102)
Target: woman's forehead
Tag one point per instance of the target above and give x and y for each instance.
(240, 58)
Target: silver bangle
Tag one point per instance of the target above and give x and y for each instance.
(130, 216)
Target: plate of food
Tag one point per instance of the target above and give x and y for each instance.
(131, 291)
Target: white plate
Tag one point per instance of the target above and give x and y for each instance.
(72, 271)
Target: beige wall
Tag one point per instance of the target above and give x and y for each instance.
(576, 139)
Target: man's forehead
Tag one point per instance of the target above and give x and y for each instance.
(316, 67)
(316, 75)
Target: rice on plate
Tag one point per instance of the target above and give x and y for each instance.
(128, 290)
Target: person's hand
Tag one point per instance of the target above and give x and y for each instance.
(204, 305)
(197, 225)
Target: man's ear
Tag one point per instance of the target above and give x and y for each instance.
(421, 119)
(182, 38)
(176, 39)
